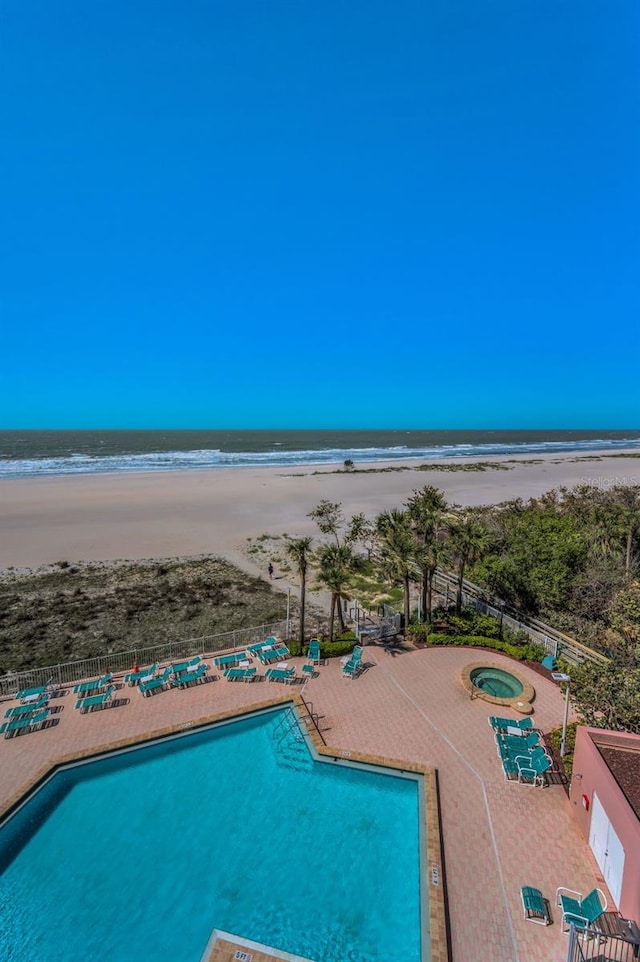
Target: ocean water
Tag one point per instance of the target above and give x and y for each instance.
(35, 453)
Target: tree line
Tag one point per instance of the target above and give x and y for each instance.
(569, 557)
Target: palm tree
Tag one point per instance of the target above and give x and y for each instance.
(336, 565)
(299, 550)
(469, 539)
(397, 556)
(426, 510)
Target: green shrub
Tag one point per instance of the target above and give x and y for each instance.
(420, 631)
(517, 637)
(472, 622)
(328, 649)
(555, 736)
(518, 652)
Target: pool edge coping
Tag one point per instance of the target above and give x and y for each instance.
(435, 879)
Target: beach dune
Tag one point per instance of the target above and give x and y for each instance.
(176, 513)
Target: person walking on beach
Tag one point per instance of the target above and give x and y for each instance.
(270, 570)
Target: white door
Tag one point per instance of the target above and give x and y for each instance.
(607, 849)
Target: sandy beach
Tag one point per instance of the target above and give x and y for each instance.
(168, 514)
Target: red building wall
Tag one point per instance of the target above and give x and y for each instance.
(591, 774)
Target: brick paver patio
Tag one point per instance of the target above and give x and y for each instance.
(411, 706)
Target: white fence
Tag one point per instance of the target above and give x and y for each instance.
(122, 661)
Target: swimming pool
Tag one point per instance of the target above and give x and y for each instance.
(140, 855)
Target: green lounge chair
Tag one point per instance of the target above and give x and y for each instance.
(143, 674)
(95, 701)
(145, 687)
(270, 654)
(505, 724)
(532, 768)
(31, 694)
(259, 645)
(190, 677)
(314, 651)
(239, 674)
(582, 912)
(29, 709)
(350, 670)
(535, 906)
(510, 769)
(280, 674)
(518, 744)
(230, 661)
(27, 723)
(513, 764)
(352, 667)
(92, 687)
(183, 666)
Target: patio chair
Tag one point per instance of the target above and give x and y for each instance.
(239, 674)
(95, 701)
(269, 654)
(518, 744)
(506, 725)
(314, 651)
(270, 642)
(352, 667)
(31, 694)
(190, 676)
(29, 709)
(145, 687)
(182, 666)
(582, 912)
(230, 661)
(513, 763)
(143, 674)
(25, 723)
(85, 688)
(280, 674)
(309, 671)
(536, 908)
(509, 768)
(532, 768)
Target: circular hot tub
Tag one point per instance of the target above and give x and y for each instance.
(499, 687)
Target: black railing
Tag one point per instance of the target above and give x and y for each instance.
(314, 717)
(593, 945)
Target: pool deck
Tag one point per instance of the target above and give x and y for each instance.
(410, 706)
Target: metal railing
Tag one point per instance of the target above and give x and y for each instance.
(594, 946)
(313, 716)
(122, 661)
(555, 642)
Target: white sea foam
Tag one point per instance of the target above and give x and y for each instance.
(78, 463)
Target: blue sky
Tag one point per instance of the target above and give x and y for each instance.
(320, 214)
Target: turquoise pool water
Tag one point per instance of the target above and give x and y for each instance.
(139, 856)
(496, 682)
